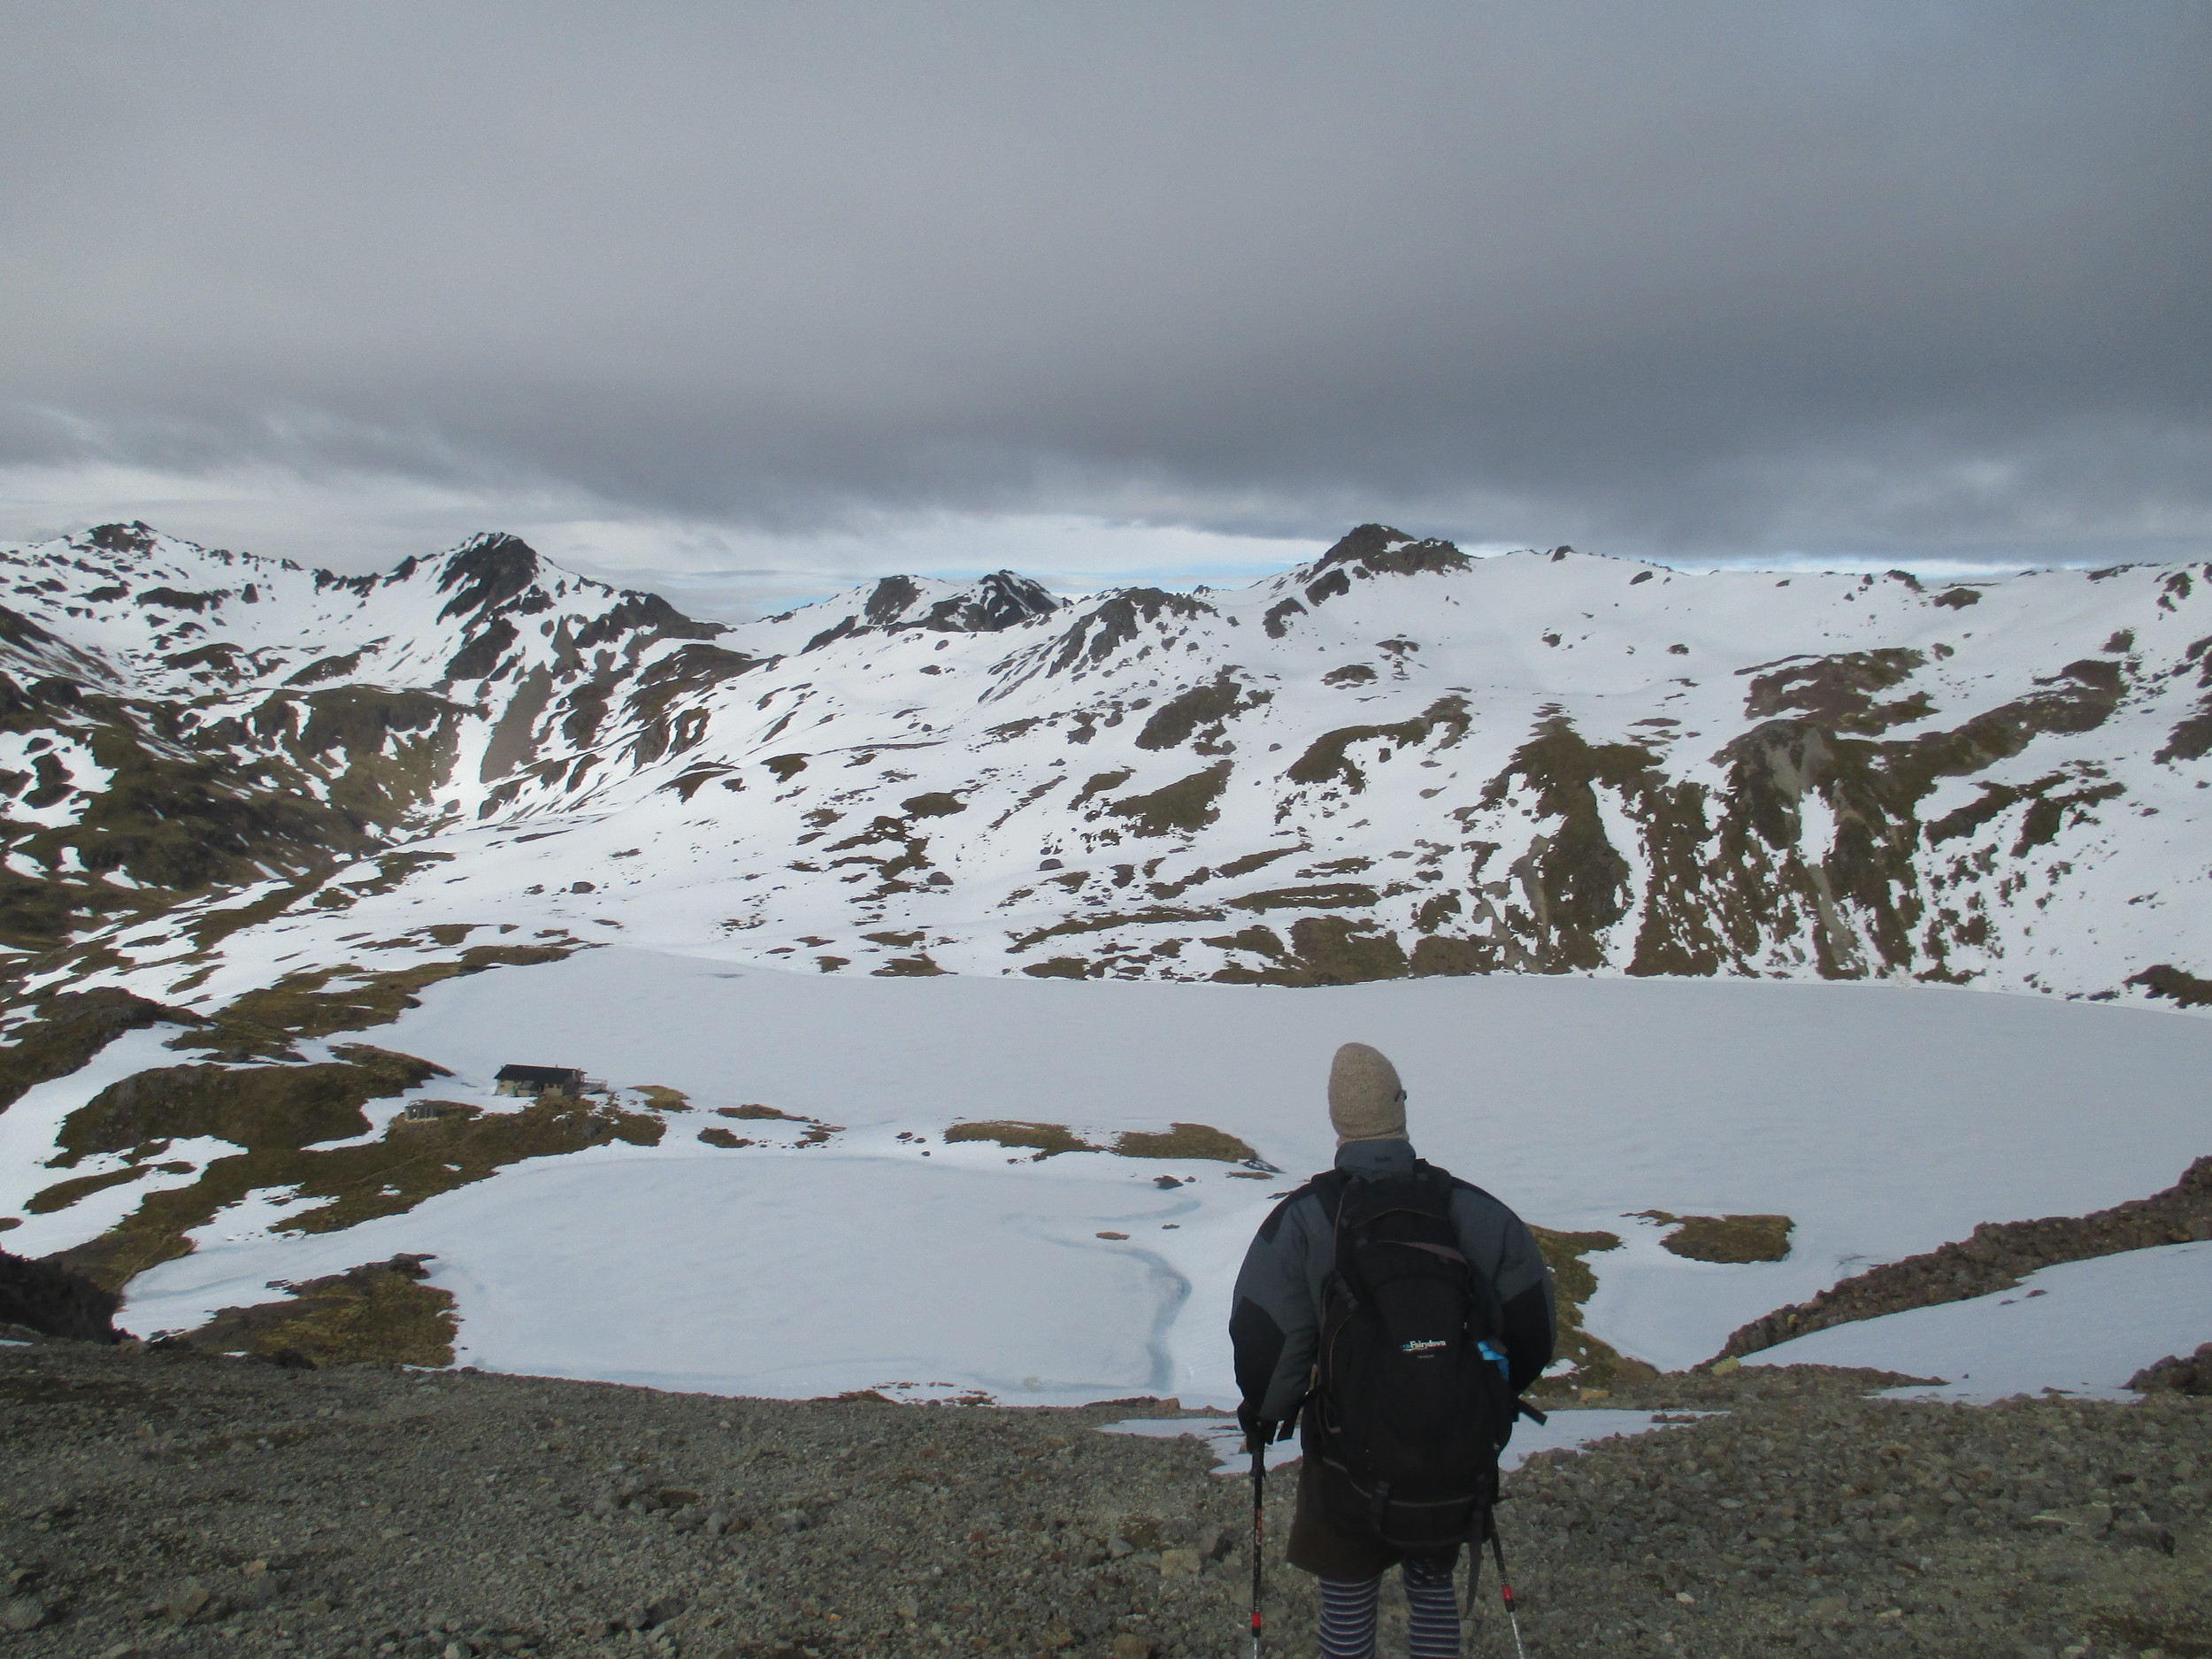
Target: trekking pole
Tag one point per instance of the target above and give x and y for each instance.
(1259, 1533)
(1505, 1587)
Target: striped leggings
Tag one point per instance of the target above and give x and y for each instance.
(1347, 1614)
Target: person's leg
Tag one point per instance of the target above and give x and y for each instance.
(1432, 1609)
(1348, 1617)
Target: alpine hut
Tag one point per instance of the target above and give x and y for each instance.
(535, 1080)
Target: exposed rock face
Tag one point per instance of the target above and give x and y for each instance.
(2173, 1375)
(1395, 760)
(50, 1299)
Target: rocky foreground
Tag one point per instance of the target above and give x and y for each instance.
(174, 1504)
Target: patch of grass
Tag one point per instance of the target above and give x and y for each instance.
(1108, 921)
(1184, 1140)
(664, 1099)
(262, 1022)
(1180, 1141)
(61, 1195)
(254, 1107)
(1046, 1138)
(817, 1133)
(1597, 1364)
(70, 1029)
(377, 1314)
(1725, 1238)
(409, 1162)
(1188, 804)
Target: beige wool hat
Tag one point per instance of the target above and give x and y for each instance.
(1366, 1101)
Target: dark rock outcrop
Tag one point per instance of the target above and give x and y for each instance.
(54, 1302)
(2173, 1375)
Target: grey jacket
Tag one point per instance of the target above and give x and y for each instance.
(1275, 1327)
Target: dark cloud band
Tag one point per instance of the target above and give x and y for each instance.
(1707, 278)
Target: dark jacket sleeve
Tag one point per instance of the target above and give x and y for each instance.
(1496, 1242)
(1274, 1327)
(1532, 1315)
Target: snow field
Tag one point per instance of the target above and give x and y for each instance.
(2081, 1328)
(1883, 1120)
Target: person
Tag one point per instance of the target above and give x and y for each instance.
(1278, 1309)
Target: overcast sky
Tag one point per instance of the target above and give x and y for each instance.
(798, 292)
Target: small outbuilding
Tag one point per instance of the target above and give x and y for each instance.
(535, 1080)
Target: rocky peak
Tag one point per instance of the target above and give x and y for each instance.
(488, 568)
(1004, 600)
(134, 537)
(1375, 549)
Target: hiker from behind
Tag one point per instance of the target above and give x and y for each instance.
(1395, 1312)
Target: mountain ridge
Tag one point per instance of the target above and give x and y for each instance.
(1636, 771)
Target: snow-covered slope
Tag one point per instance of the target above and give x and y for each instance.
(1544, 795)
(1394, 761)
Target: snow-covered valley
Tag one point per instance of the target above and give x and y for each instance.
(1842, 902)
(1881, 1120)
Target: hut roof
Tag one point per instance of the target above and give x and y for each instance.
(542, 1074)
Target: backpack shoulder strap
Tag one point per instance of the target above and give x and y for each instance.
(1329, 1187)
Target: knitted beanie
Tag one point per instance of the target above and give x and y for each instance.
(1366, 1101)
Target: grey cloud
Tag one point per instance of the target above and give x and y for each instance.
(1699, 278)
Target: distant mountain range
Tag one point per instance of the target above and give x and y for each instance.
(221, 770)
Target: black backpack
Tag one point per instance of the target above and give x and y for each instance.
(1407, 1411)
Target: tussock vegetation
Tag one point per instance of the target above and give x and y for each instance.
(1180, 1141)
(409, 1162)
(377, 1314)
(1725, 1238)
(1185, 1141)
(254, 1107)
(68, 1031)
(1046, 1138)
(1598, 1366)
(261, 1023)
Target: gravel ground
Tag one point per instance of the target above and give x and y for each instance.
(176, 1503)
